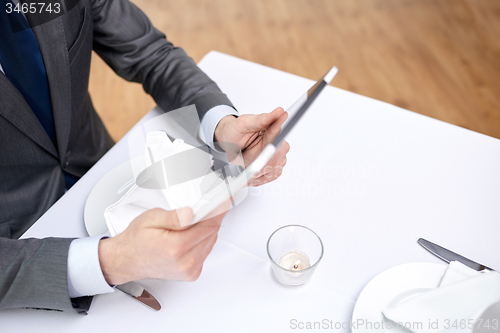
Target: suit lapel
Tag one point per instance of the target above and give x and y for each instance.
(52, 43)
(16, 110)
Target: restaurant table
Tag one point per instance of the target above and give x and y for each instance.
(368, 177)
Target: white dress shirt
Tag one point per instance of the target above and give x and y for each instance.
(85, 276)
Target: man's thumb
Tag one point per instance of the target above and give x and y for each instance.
(263, 121)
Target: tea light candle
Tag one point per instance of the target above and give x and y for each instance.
(287, 248)
(294, 261)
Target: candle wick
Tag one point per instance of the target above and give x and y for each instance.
(296, 265)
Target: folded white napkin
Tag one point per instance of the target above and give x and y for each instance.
(463, 295)
(176, 190)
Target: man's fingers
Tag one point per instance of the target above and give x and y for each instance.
(174, 222)
(265, 179)
(190, 237)
(262, 122)
(209, 245)
(274, 129)
(278, 160)
(280, 154)
(272, 168)
(166, 219)
(185, 216)
(282, 163)
(270, 174)
(193, 260)
(284, 148)
(223, 208)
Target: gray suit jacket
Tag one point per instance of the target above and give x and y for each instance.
(33, 271)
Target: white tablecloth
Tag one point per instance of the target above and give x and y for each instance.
(370, 178)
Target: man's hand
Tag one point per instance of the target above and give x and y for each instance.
(252, 133)
(155, 245)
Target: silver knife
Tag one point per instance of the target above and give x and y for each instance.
(448, 255)
(137, 292)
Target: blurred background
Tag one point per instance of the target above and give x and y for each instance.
(440, 58)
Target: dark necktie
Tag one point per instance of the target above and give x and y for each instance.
(23, 65)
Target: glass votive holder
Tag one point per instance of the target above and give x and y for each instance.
(294, 251)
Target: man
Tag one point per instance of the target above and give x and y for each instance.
(50, 136)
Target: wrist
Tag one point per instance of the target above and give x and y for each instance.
(222, 126)
(113, 270)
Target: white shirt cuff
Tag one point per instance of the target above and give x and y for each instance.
(84, 270)
(211, 120)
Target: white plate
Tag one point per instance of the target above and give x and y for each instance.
(108, 190)
(389, 288)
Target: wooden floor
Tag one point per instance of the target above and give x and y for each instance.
(440, 58)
